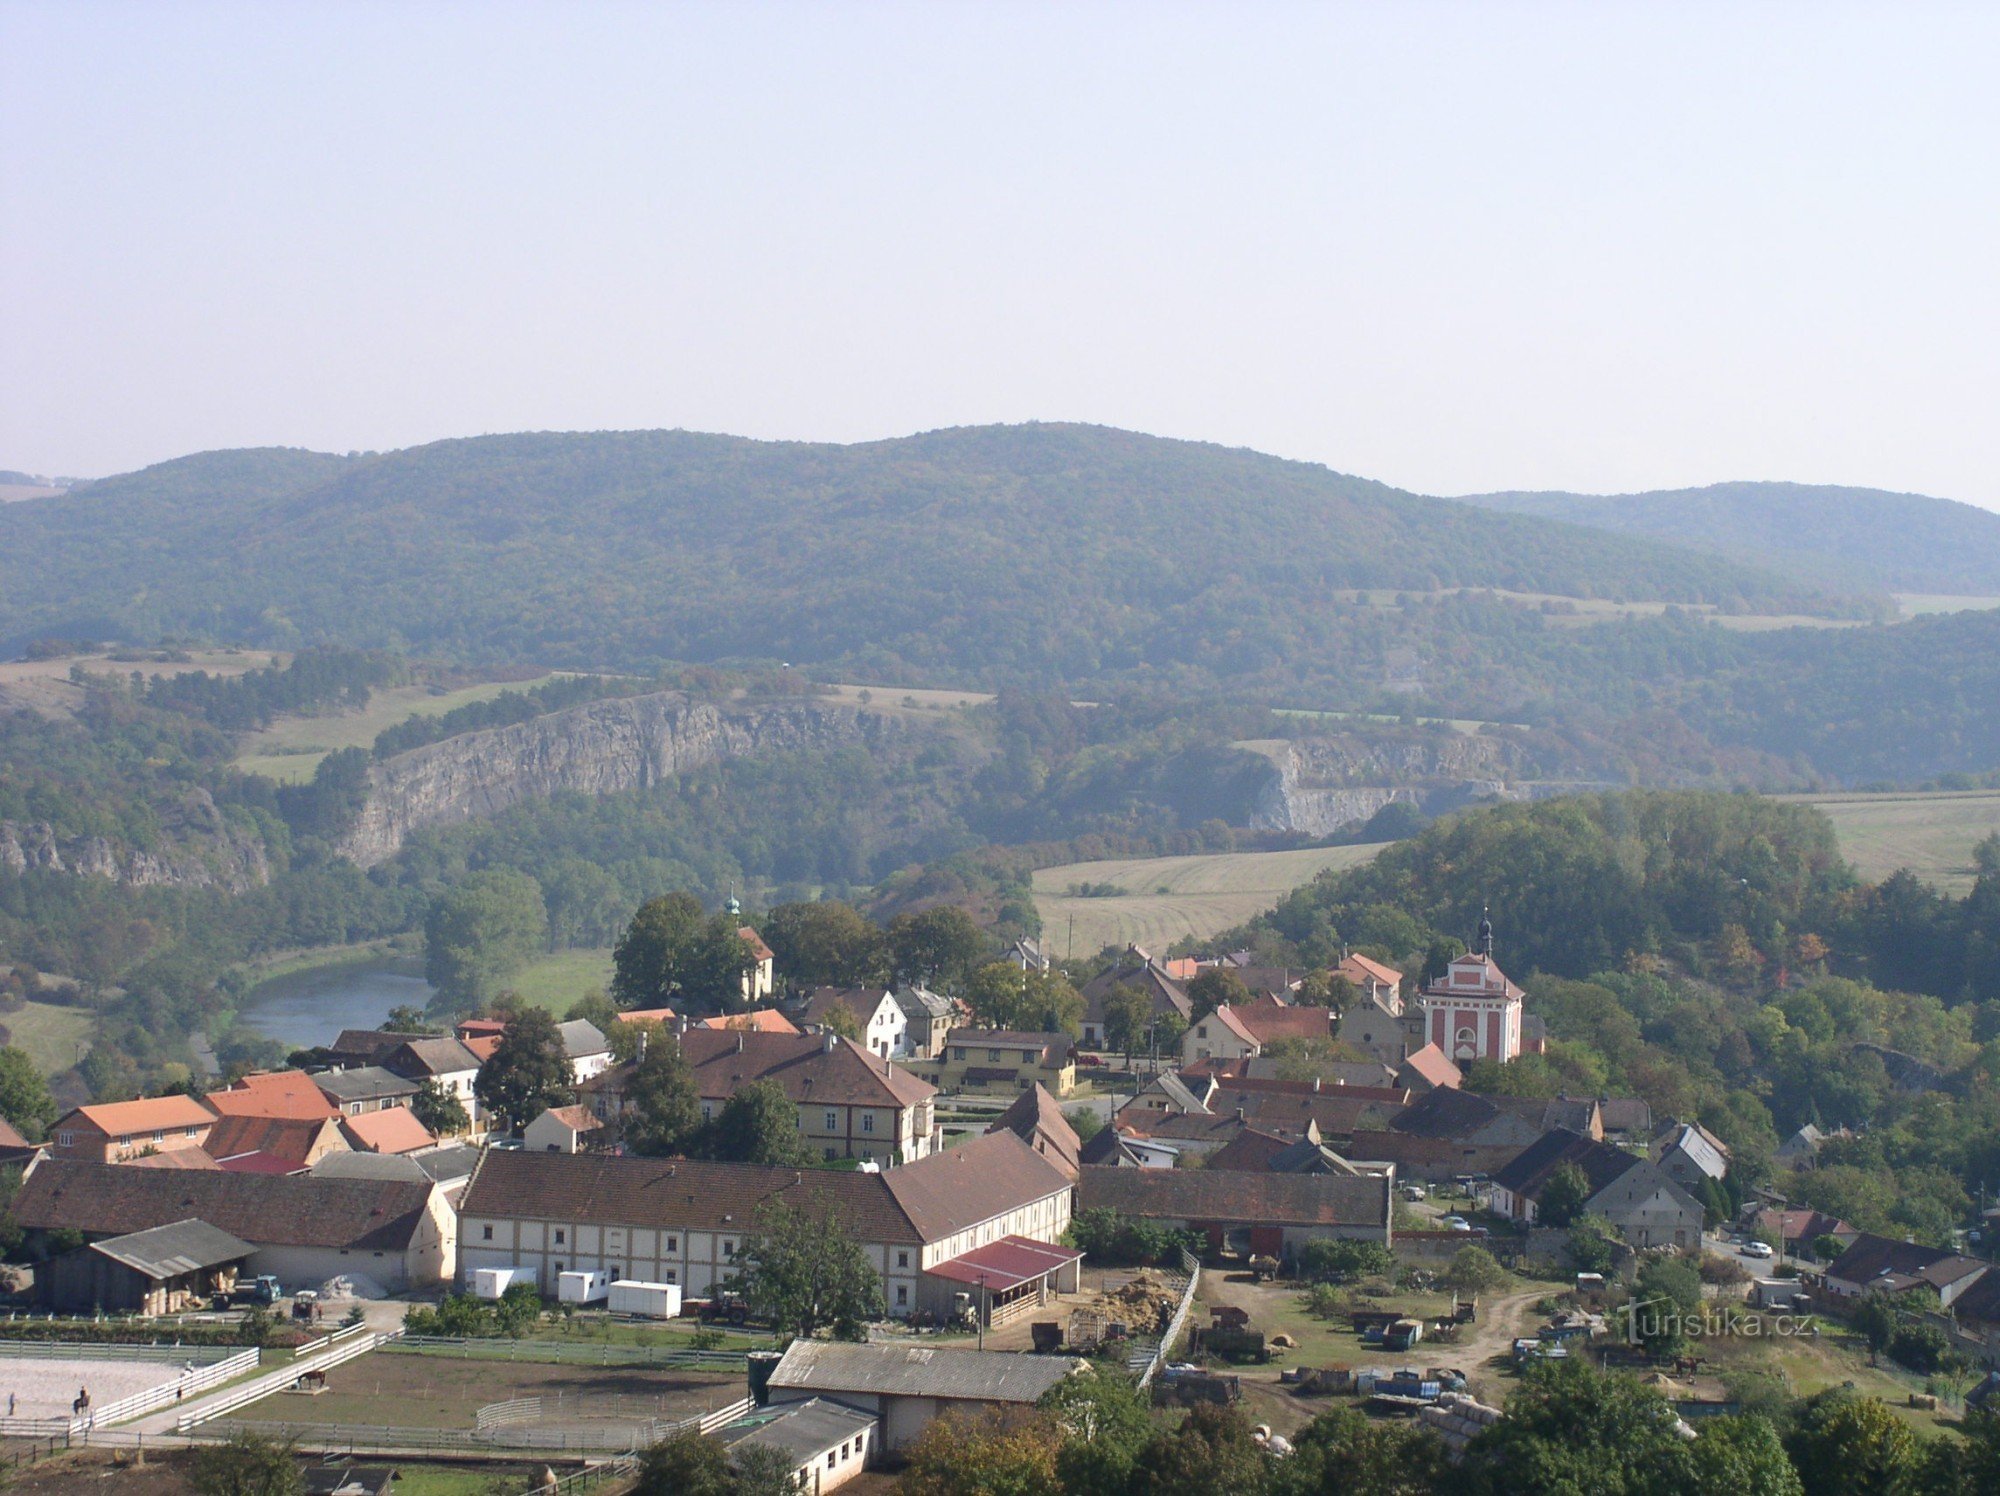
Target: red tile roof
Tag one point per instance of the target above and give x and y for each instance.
(575, 1118)
(647, 1015)
(394, 1129)
(119, 1119)
(289, 1138)
(1360, 970)
(271, 1093)
(811, 1068)
(755, 1020)
(1434, 1065)
(758, 950)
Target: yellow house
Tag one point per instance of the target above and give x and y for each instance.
(1001, 1060)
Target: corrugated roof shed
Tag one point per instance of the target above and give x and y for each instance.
(834, 1367)
(170, 1251)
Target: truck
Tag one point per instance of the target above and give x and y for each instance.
(493, 1282)
(262, 1290)
(582, 1288)
(646, 1300)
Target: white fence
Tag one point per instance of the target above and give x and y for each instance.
(333, 1354)
(222, 1366)
(110, 1350)
(338, 1337)
(198, 1380)
(1192, 1266)
(513, 1410)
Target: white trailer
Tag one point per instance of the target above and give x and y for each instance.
(582, 1288)
(492, 1282)
(648, 1300)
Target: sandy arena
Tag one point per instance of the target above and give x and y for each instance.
(45, 1389)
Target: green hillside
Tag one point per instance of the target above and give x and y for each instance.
(1842, 538)
(972, 557)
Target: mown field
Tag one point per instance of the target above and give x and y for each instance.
(1930, 834)
(289, 750)
(556, 980)
(52, 1036)
(1169, 898)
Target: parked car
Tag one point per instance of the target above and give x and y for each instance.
(1759, 1249)
(1413, 1192)
(1456, 1223)
(1090, 1062)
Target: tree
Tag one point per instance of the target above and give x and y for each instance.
(1344, 1450)
(1002, 995)
(1666, 1297)
(1104, 1421)
(1335, 1261)
(671, 955)
(441, 1111)
(1592, 1245)
(684, 1464)
(1570, 1428)
(1087, 1122)
(481, 931)
(1875, 1319)
(940, 945)
(24, 1095)
(1127, 1011)
(1473, 1269)
(997, 1453)
(801, 1271)
(1216, 987)
(662, 1107)
(1844, 1444)
(840, 1019)
(1742, 1454)
(529, 1071)
(759, 1125)
(246, 1465)
(825, 944)
(1211, 1452)
(594, 1007)
(405, 1019)
(1564, 1197)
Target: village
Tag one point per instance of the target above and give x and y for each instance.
(296, 1254)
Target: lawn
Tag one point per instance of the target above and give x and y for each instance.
(1829, 1359)
(290, 749)
(1930, 834)
(462, 1480)
(49, 1034)
(557, 980)
(1168, 898)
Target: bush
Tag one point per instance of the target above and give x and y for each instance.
(1921, 1347)
(1105, 1236)
(1324, 1301)
(1474, 1270)
(1343, 1261)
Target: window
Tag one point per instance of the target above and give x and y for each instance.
(191, 1132)
(671, 1275)
(486, 1233)
(867, 1121)
(559, 1267)
(832, 1120)
(159, 1134)
(902, 1295)
(728, 1248)
(561, 1236)
(902, 1259)
(1201, 1031)
(958, 1052)
(617, 1271)
(65, 1140)
(829, 1459)
(673, 1244)
(707, 1111)
(829, 1153)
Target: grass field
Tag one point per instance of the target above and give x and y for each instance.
(49, 1034)
(289, 750)
(1916, 604)
(1930, 834)
(1168, 898)
(556, 981)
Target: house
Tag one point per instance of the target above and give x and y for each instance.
(1447, 1134)
(365, 1088)
(825, 1443)
(1691, 1155)
(1377, 983)
(441, 1060)
(1037, 1120)
(662, 1016)
(354, 1047)
(751, 1020)
(1426, 1068)
(1381, 1027)
(927, 1019)
(1135, 969)
(305, 1228)
(394, 1129)
(1801, 1149)
(683, 1221)
(1261, 1214)
(851, 1104)
(588, 1050)
(561, 1129)
(1274, 1067)
(910, 1386)
(1881, 1264)
(1473, 1012)
(879, 1024)
(161, 1270)
(1185, 1110)
(1641, 1200)
(976, 1059)
(271, 1093)
(1258, 1152)
(115, 1131)
(1625, 1119)
(1234, 1032)
(17, 1151)
(1027, 954)
(273, 1145)
(760, 976)
(1795, 1231)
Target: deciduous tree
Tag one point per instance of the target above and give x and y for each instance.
(662, 1108)
(758, 1125)
(480, 932)
(801, 1271)
(529, 1071)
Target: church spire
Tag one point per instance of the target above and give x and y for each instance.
(1485, 946)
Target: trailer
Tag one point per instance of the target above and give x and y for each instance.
(646, 1300)
(1403, 1334)
(582, 1288)
(493, 1282)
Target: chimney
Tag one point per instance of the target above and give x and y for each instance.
(642, 1042)
(831, 1039)
(739, 1041)
(1315, 1085)
(1239, 1114)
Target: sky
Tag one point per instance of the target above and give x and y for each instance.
(1456, 247)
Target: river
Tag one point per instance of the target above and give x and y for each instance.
(306, 1008)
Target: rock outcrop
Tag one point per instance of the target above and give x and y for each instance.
(599, 748)
(1319, 785)
(200, 850)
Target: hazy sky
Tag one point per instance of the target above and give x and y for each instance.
(1452, 246)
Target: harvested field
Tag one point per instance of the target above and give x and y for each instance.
(291, 748)
(1169, 898)
(1930, 834)
(419, 1391)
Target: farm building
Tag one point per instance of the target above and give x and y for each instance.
(561, 1129)
(1264, 1214)
(1635, 1195)
(682, 1221)
(116, 1131)
(271, 1093)
(827, 1442)
(394, 1129)
(908, 1386)
(304, 1228)
(272, 1145)
(162, 1270)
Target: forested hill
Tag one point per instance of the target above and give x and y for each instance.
(1843, 538)
(977, 556)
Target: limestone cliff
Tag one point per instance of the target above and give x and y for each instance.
(199, 849)
(599, 748)
(1318, 785)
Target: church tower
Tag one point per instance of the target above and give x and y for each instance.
(1473, 1012)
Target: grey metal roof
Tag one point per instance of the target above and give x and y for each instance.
(581, 1037)
(920, 1002)
(363, 1083)
(834, 1367)
(170, 1251)
(369, 1166)
(802, 1431)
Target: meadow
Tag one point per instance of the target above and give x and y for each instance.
(1166, 899)
(290, 749)
(1931, 834)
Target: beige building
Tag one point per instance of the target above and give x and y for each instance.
(1001, 1060)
